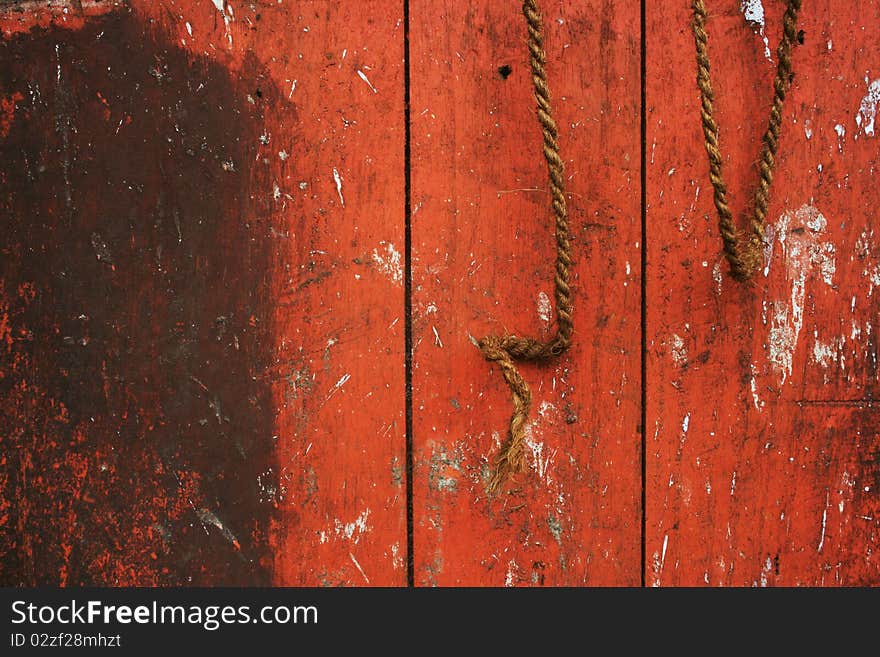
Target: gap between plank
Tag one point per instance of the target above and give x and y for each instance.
(644, 283)
(407, 297)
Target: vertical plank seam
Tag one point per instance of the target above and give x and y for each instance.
(407, 298)
(644, 283)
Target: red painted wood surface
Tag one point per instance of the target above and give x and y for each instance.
(202, 374)
(763, 450)
(483, 256)
(202, 322)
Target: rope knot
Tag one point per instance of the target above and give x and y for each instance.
(505, 350)
(491, 348)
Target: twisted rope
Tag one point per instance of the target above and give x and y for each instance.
(744, 253)
(507, 349)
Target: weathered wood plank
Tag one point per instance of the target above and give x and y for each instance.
(482, 263)
(202, 295)
(763, 443)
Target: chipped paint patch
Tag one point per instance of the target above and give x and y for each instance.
(389, 261)
(718, 277)
(841, 136)
(753, 12)
(678, 350)
(228, 14)
(364, 77)
(352, 531)
(867, 114)
(827, 353)
(799, 235)
(545, 309)
(338, 180)
(512, 573)
(753, 385)
(824, 522)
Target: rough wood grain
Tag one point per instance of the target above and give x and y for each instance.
(763, 446)
(482, 263)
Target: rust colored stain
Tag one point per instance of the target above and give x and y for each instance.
(133, 312)
(763, 433)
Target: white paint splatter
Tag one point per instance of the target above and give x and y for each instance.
(826, 354)
(718, 277)
(808, 129)
(512, 568)
(678, 350)
(363, 77)
(753, 11)
(338, 180)
(824, 521)
(352, 531)
(841, 136)
(663, 552)
(544, 307)
(816, 222)
(685, 424)
(389, 261)
(753, 384)
(868, 109)
(803, 252)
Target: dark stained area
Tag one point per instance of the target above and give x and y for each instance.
(135, 419)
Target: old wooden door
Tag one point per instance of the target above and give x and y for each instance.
(246, 247)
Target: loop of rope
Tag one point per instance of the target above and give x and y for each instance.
(505, 350)
(744, 254)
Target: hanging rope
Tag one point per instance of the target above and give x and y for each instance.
(505, 350)
(744, 253)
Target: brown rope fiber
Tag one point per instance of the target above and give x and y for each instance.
(744, 253)
(507, 349)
